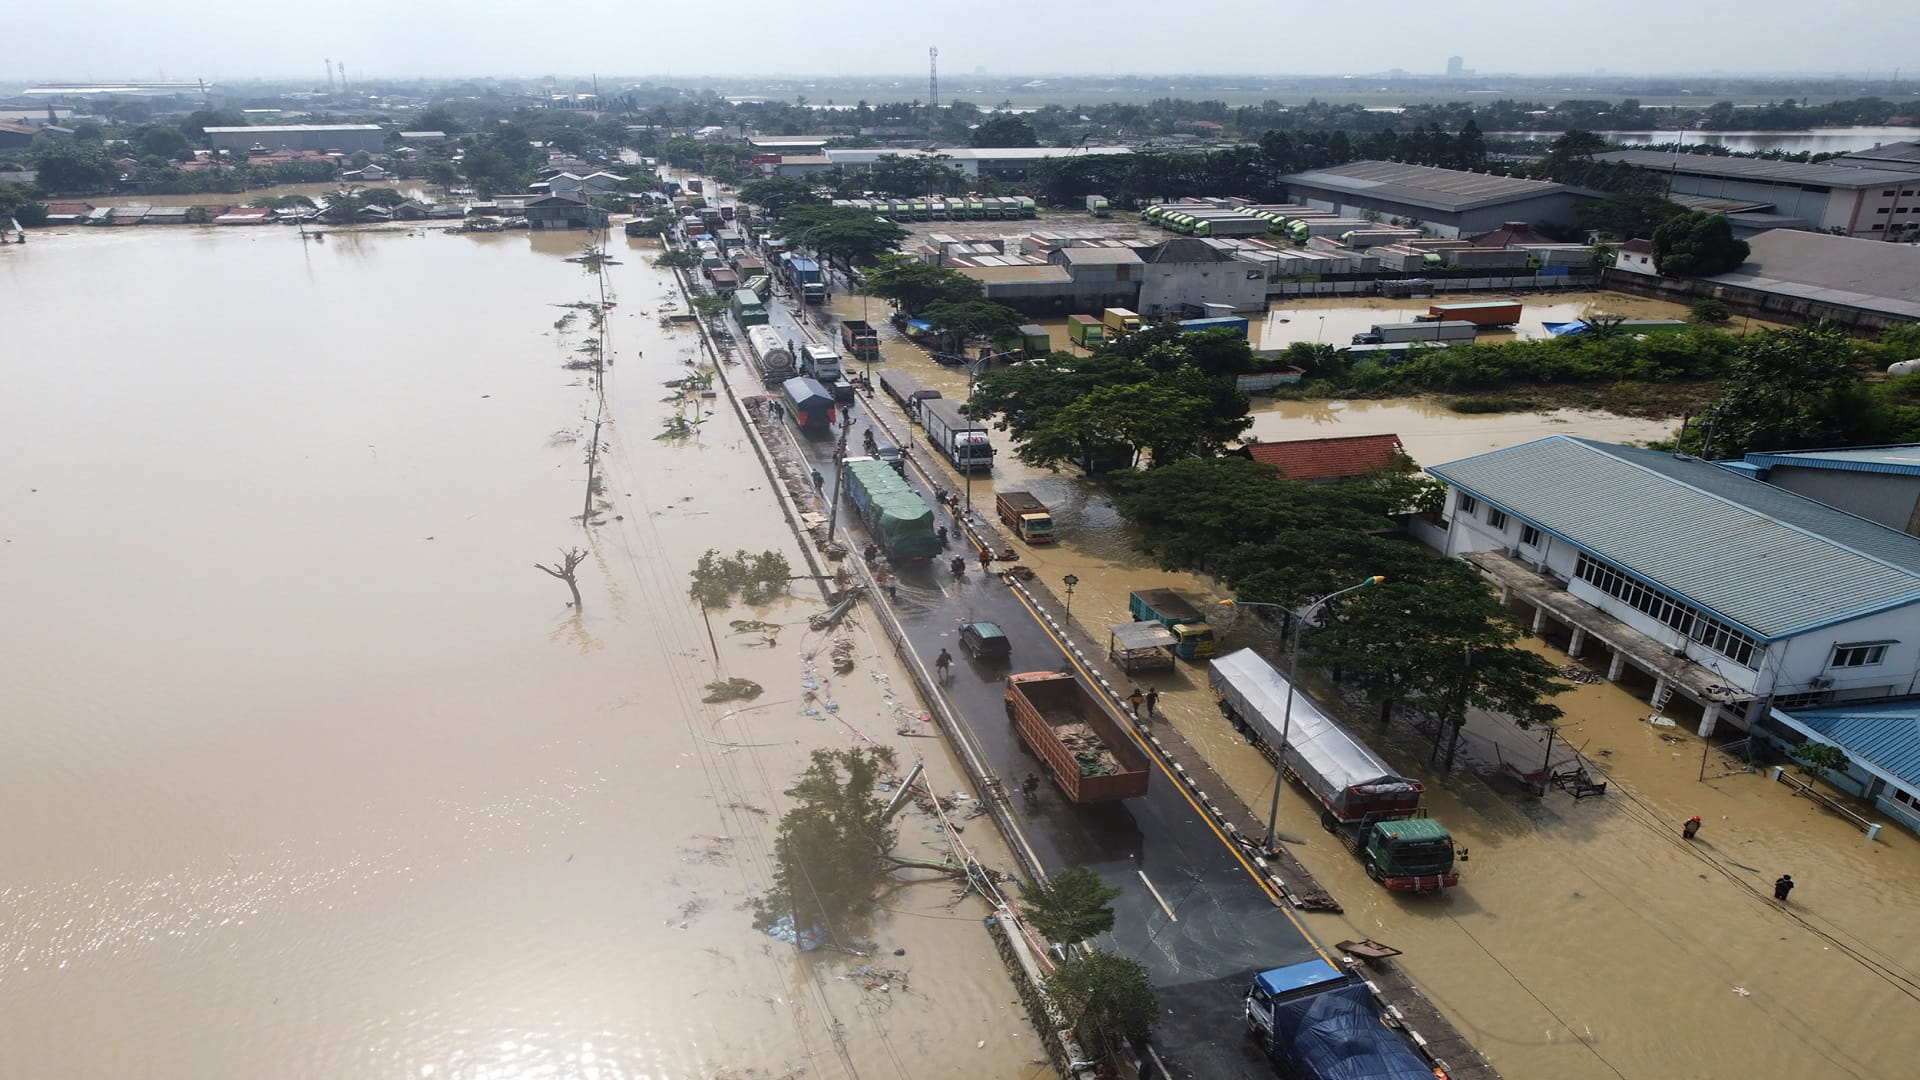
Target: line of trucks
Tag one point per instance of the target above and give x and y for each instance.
(776, 360)
(959, 439)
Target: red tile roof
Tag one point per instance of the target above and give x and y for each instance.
(1328, 459)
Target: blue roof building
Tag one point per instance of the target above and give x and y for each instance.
(1882, 741)
(1879, 483)
(1726, 592)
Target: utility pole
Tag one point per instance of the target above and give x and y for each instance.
(933, 92)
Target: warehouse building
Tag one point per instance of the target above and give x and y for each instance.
(1810, 275)
(1879, 483)
(1879, 200)
(1716, 592)
(1449, 202)
(1000, 163)
(344, 138)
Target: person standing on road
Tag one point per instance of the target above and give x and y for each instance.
(1135, 699)
(1153, 701)
(944, 664)
(986, 560)
(1782, 887)
(1692, 826)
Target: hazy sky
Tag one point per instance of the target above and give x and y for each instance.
(225, 39)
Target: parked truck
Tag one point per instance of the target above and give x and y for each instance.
(1089, 754)
(805, 278)
(1119, 320)
(1035, 342)
(1374, 812)
(1027, 516)
(1482, 313)
(1319, 1022)
(1097, 205)
(725, 281)
(1446, 333)
(748, 311)
(1085, 331)
(809, 404)
(959, 439)
(771, 357)
(906, 391)
(818, 361)
(897, 518)
(861, 340)
(1173, 611)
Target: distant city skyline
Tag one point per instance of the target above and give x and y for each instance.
(217, 39)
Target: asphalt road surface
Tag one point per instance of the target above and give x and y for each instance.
(1190, 908)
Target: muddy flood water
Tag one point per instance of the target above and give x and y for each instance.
(311, 773)
(1587, 941)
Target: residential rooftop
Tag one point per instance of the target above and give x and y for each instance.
(1898, 460)
(1885, 734)
(290, 129)
(1450, 190)
(1760, 556)
(1330, 458)
(1829, 174)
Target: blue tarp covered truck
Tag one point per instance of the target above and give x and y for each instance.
(1318, 1022)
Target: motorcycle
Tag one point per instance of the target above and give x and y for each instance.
(958, 566)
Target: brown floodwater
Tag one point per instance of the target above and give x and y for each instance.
(1586, 940)
(311, 773)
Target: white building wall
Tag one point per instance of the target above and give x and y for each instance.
(1166, 287)
(1635, 262)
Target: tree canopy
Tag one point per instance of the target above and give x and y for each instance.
(1697, 244)
(1793, 389)
(848, 237)
(1069, 907)
(1107, 999)
(777, 194)
(1004, 130)
(1627, 215)
(915, 286)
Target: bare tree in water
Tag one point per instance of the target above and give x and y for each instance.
(565, 570)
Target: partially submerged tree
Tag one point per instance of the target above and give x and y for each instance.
(830, 849)
(1070, 906)
(915, 286)
(1817, 759)
(567, 570)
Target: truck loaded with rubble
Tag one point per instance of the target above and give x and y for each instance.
(1065, 725)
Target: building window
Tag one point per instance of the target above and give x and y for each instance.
(1790, 702)
(1467, 504)
(1862, 654)
(1530, 536)
(1497, 519)
(1905, 798)
(1670, 610)
(1883, 209)
(1886, 193)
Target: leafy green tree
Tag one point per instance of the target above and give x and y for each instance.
(1006, 130)
(1628, 215)
(1710, 312)
(160, 140)
(677, 259)
(1791, 389)
(1697, 244)
(843, 236)
(67, 167)
(1197, 513)
(779, 193)
(1108, 1000)
(437, 118)
(381, 196)
(1163, 347)
(441, 173)
(342, 204)
(489, 172)
(915, 286)
(1817, 759)
(197, 122)
(968, 320)
(1069, 907)
(830, 849)
(17, 202)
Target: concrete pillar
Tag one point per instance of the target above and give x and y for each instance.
(1617, 667)
(1506, 591)
(1578, 645)
(1709, 718)
(1539, 620)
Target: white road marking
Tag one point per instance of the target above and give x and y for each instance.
(1157, 896)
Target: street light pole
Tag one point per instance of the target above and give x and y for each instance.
(1070, 581)
(1293, 676)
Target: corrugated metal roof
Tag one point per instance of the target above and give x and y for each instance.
(1760, 556)
(1825, 174)
(1902, 460)
(1885, 734)
(1424, 185)
(1872, 275)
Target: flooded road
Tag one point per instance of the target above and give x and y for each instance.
(311, 773)
(1587, 940)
